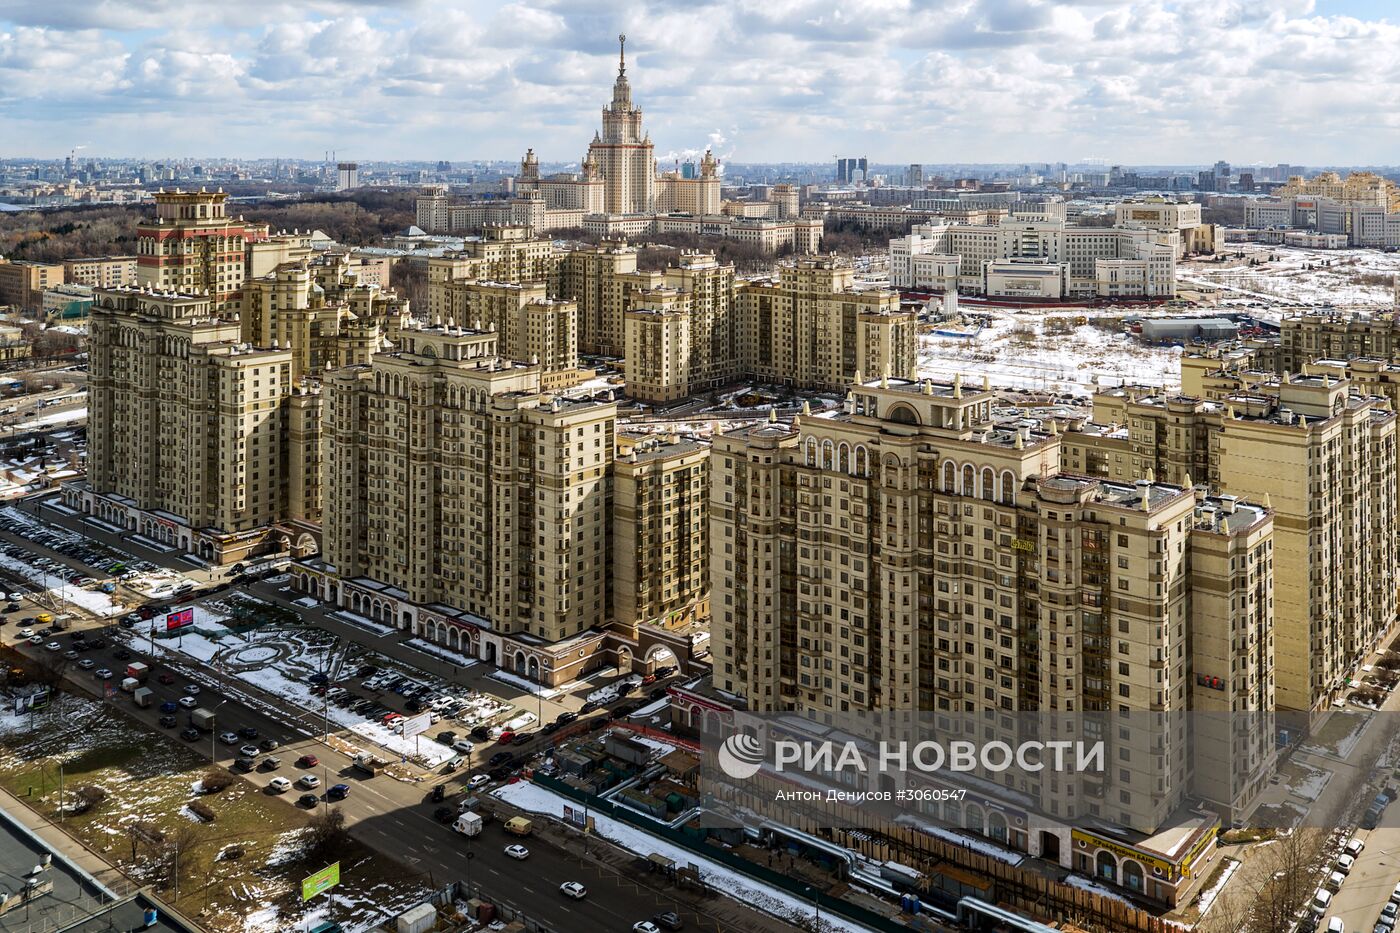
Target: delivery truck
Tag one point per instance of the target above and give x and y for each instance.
(368, 763)
(202, 719)
(130, 684)
(142, 696)
(519, 826)
(138, 670)
(468, 824)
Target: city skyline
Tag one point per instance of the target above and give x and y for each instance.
(999, 81)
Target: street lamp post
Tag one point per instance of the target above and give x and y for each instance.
(214, 731)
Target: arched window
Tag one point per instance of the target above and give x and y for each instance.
(969, 481)
(1133, 878)
(1106, 866)
(949, 476)
(1008, 487)
(988, 483)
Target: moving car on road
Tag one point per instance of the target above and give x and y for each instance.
(573, 889)
(517, 851)
(338, 792)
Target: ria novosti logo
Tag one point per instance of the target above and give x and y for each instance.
(740, 756)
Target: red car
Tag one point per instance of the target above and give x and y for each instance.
(506, 737)
(308, 761)
(166, 679)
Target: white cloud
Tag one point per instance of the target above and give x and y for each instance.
(1145, 81)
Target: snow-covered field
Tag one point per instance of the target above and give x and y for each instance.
(1015, 350)
(535, 799)
(1288, 277)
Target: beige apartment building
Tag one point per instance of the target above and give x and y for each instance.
(909, 553)
(465, 504)
(530, 326)
(23, 282)
(100, 271)
(1325, 457)
(1357, 187)
(1335, 335)
(657, 361)
(193, 247)
(302, 308)
(506, 253)
(187, 427)
(661, 531)
(812, 328)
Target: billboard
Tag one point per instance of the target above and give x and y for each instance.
(29, 702)
(414, 725)
(322, 881)
(180, 618)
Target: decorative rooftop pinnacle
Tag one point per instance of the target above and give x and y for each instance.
(621, 54)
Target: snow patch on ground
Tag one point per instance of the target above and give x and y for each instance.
(530, 687)
(438, 651)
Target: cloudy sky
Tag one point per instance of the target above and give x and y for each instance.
(1134, 82)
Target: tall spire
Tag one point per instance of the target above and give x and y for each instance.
(622, 91)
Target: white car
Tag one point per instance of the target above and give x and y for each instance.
(26, 633)
(645, 926)
(573, 889)
(1355, 846)
(463, 746)
(36, 639)
(479, 780)
(308, 781)
(228, 738)
(192, 689)
(188, 702)
(53, 646)
(279, 785)
(102, 674)
(87, 664)
(518, 852)
(1395, 895)
(15, 597)
(1344, 863)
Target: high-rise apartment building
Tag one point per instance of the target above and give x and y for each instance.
(661, 530)
(658, 356)
(530, 327)
(302, 307)
(187, 426)
(910, 553)
(507, 253)
(1325, 457)
(455, 481)
(603, 279)
(193, 247)
(813, 328)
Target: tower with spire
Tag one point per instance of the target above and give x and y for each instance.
(622, 152)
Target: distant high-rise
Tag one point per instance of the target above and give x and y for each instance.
(846, 170)
(347, 176)
(915, 177)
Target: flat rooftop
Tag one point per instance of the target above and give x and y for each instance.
(77, 901)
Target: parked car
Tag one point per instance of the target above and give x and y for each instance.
(165, 678)
(308, 761)
(190, 733)
(338, 792)
(668, 921)
(168, 722)
(269, 745)
(279, 785)
(308, 781)
(250, 750)
(231, 738)
(308, 800)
